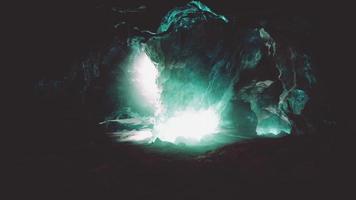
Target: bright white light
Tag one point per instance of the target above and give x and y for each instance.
(134, 135)
(139, 135)
(145, 76)
(188, 125)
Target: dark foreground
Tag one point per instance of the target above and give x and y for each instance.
(293, 166)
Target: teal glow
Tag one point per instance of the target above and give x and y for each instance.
(145, 75)
(185, 91)
(189, 125)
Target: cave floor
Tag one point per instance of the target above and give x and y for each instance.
(130, 171)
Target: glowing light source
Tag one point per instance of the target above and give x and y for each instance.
(188, 125)
(145, 76)
(139, 135)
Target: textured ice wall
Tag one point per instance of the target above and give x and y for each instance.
(253, 79)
